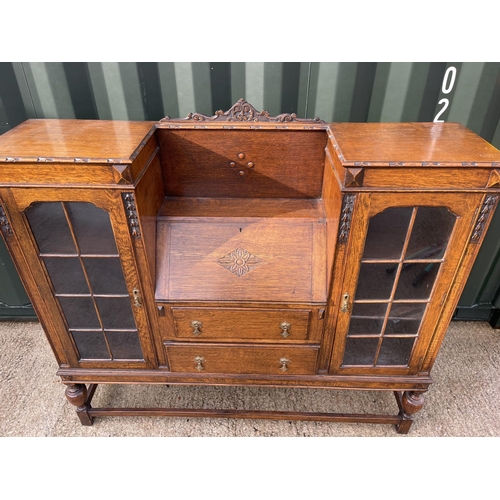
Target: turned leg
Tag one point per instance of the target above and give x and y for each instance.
(409, 403)
(76, 394)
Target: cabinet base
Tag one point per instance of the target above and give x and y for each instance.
(409, 402)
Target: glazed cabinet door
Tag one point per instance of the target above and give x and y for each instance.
(403, 253)
(78, 246)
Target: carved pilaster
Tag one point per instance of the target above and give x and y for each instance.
(133, 218)
(485, 213)
(4, 223)
(345, 218)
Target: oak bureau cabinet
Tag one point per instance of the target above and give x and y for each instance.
(246, 249)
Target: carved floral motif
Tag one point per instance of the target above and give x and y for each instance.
(240, 261)
(243, 111)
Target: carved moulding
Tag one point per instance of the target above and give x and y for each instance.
(345, 218)
(4, 222)
(484, 215)
(132, 216)
(242, 111)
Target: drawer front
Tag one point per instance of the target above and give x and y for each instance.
(260, 360)
(243, 324)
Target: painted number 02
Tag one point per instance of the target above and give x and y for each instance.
(446, 88)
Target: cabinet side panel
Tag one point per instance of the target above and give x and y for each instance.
(23, 251)
(332, 201)
(470, 253)
(149, 195)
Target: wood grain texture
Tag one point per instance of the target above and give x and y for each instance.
(240, 324)
(149, 195)
(411, 144)
(242, 359)
(67, 140)
(164, 376)
(206, 163)
(260, 312)
(228, 208)
(284, 271)
(57, 173)
(244, 227)
(418, 178)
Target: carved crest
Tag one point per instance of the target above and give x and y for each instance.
(243, 111)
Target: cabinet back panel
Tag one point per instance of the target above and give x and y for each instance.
(241, 163)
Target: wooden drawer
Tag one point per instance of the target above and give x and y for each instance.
(258, 360)
(241, 324)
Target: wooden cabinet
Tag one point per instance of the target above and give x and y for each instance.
(244, 249)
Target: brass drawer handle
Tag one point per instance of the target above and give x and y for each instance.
(285, 327)
(197, 327)
(284, 364)
(199, 363)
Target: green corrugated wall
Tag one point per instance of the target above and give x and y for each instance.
(373, 92)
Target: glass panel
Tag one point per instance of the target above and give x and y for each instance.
(431, 232)
(50, 228)
(94, 235)
(395, 351)
(375, 282)
(91, 345)
(124, 345)
(79, 311)
(387, 233)
(105, 275)
(116, 312)
(367, 318)
(66, 275)
(405, 318)
(360, 351)
(92, 229)
(416, 281)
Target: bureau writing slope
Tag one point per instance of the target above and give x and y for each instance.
(245, 249)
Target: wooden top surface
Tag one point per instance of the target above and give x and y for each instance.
(412, 144)
(65, 140)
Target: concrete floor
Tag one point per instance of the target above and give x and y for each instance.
(464, 399)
